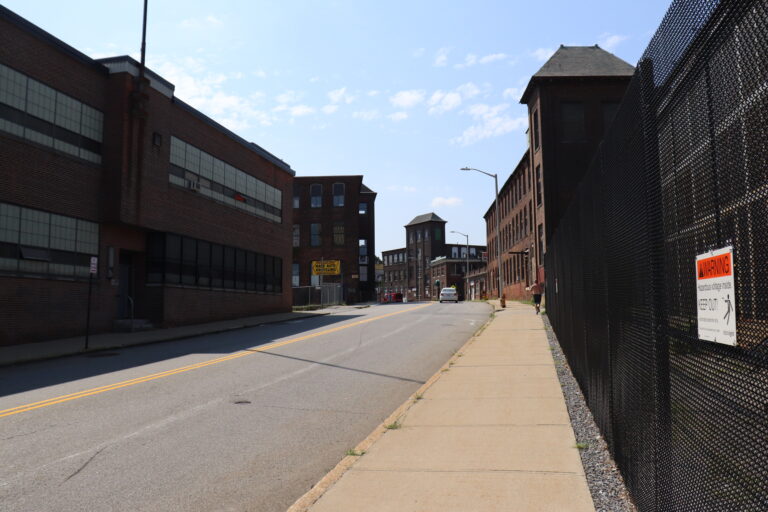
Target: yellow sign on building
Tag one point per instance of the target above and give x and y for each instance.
(326, 268)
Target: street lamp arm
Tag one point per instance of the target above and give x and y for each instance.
(478, 170)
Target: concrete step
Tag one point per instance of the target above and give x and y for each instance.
(128, 325)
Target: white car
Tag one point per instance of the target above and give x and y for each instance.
(449, 294)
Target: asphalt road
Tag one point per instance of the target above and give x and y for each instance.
(206, 424)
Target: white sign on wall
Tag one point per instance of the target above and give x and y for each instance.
(716, 296)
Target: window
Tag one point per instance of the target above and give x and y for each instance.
(314, 280)
(363, 244)
(338, 194)
(541, 242)
(295, 275)
(203, 263)
(535, 130)
(37, 242)
(45, 116)
(189, 261)
(362, 208)
(316, 195)
(296, 195)
(438, 234)
(363, 272)
(196, 170)
(572, 122)
(338, 233)
(538, 185)
(314, 232)
(296, 235)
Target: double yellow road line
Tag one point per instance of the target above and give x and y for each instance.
(183, 369)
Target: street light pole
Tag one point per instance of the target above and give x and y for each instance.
(498, 236)
(466, 269)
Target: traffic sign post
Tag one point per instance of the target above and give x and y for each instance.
(91, 272)
(716, 296)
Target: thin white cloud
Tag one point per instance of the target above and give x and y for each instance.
(314, 79)
(407, 99)
(259, 73)
(301, 110)
(419, 52)
(611, 41)
(442, 102)
(437, 202)
(492, 58)
(441, 57)
(469, 61)
(542, 53)
(330, 109)
(490, 121)
(398, 116)
(513, 93)
(288, 97)
(340, 96)
(373, 92)
(206, 92)
(468, 90)
(366, 115)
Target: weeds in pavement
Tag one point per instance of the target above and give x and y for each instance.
(355, 453)
(581, 446)
(393, 426)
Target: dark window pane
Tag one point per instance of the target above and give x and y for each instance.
(260, 277)
(217, 266)
(278, 275)
(269, 273)
(572, 122)
(240, 266)
(203, 263)
(172, 259)
(189, 261)
(250, 271)
(155, 257)
(229, 267)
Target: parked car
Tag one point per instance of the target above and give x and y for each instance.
(449, 294)
(393, 297)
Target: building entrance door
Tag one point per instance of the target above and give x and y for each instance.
(126, 286)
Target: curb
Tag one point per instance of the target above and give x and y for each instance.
(316, 492)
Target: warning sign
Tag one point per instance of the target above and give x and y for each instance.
(716, 296)
(326, 268)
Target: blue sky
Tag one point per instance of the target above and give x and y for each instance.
(403, 92)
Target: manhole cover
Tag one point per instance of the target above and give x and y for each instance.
(240, 402)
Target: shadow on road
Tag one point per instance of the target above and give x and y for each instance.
(39, 374)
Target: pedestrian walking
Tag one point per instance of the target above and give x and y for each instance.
(536, 290)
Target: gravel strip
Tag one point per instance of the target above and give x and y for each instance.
(606, 485)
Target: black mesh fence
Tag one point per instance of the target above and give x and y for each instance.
(683, 170)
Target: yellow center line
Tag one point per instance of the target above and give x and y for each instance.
(175, 371)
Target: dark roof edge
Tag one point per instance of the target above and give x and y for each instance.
(39, 33)
(536, 79)
(229, 133)
(147, 71)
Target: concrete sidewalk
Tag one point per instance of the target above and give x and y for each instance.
(55, 348)
(490, 433)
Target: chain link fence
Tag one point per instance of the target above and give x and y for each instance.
(326, 294)
(683, 170)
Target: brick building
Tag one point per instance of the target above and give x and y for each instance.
(571, 101)
(333, 219)
(394, 271)
(414, 269)
(451, 269)
(190, 223)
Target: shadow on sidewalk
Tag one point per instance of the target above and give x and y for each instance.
(31, 375)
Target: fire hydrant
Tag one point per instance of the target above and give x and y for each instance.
(503, 300)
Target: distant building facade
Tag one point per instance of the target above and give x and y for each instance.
(571, 101)
(427, 263)
(334, 219)
(190, 223)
